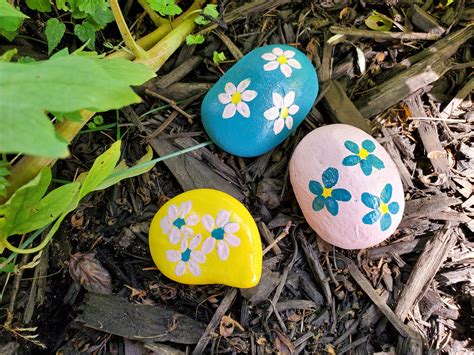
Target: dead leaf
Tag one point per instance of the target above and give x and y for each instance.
(330, 349)
(228, 325)
(85, 269)
(284, 345)
(261, 340)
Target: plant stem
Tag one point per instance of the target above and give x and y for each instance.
(137, 51)
(157, 19)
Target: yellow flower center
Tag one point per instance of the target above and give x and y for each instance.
(284, 112)
(383, 208)
(282, 59)
(236, 98)
(327, 192)
(363, 153)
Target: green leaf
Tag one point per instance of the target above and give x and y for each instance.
(210, 11)
(86, 33)
(194, 39)
(98, 120)
(103, 166)
(39, 5)
(6, 266)
(28, 210)
(8, 55)
(61, 84)
(122, 171)
(218, 57)
(165, 7)
(378, 23)
(3, 181)
(10, 20)
(54, 33)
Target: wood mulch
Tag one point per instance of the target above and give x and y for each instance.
(411, 294)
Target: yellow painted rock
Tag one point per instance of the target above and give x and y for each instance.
(205, 236)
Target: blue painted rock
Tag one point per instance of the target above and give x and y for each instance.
(260, 101)
(347, 186)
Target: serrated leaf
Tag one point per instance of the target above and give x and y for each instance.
(378, 23)
(218, 57)
(361, 59)
(103, 166)
(39, 5)
(194, 39)
(28, 210)
(61, 84)
(54, 32)
(86, 33)
(86, 270)
(165, 7)
(122, 171)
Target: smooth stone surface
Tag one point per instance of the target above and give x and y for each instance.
(347, 186)
(206, 236)
(260, 101)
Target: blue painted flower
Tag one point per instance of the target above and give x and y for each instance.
(363, 157)
(326, 195)
(381, 208)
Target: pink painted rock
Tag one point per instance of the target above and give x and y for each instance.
(347, 186)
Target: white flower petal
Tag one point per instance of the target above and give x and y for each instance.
(231, 227)
(289, 54)
(172, 212)
(271, 66)
(294, 63)
(193, 244)
(184, 208)
(186, 231)
(271, 114)
(230, 89)
(249, 95)
(165, 225)
(277, 100)
(222, 218)
(286, 70)
(198, 256)
(180, 268)
(194, 268)
(243, 85)
(173, 255)
(289, 98)
(208, 245)
(229, 111)
(222, 250)
(183, 245)
(243, 109)
(192, 219)
(224, 98)
(289, 122)
(277, 51)
(293, 109)
(232, 240)
(175, 235)
(278, 126)
(208, 223)
(269, 56)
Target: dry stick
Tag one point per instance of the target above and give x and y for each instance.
(378, 301)
(407, 36)
(171, 103)
(280, 237)
(425, 269)
(220, 311)
(233, 49)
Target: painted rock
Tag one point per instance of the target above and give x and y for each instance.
(347, 186)
(206, 236)
(260, 101)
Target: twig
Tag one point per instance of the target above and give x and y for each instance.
(172, 103)
(220, 311)
(404, 36)
(282, 235)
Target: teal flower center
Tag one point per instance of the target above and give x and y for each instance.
(218, 233)
(179, 222)
(186, 255)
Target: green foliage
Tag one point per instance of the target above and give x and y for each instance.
(378, 23)
(98, 120)
(8, 55)
(165, 7)
(62, 84)
(194, 39)
(218, 57)
(10, 20)
(39, 5)
(210, 11)
(3, 181)
(6, 266)
(54, 33)
(86, 33)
